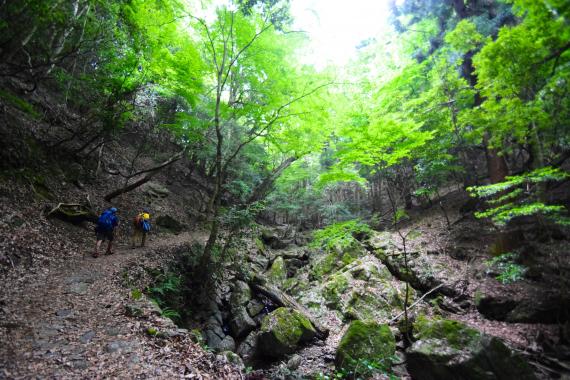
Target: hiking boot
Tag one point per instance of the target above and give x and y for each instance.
(109, 252)
(95, 255)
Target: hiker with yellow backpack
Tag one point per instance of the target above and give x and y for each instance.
(141, 226)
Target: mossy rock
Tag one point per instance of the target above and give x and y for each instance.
(365, 305)
(334, 289)
(241, 294)
(283, 331)
(365, 341)
(277, 274)
(457, 334)
(448, 350)
(325, 265)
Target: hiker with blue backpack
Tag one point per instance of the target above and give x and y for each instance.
(104, 230)
(141, 226)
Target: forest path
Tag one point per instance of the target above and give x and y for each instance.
(71, 322)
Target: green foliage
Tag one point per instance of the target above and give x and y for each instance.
(167, 293)
(136, 294)
(509, 270)
(521, 196)
(362, 369)
(340, 235)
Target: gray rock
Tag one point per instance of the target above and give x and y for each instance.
(87, 337)
(241, 323)
(254, 307)
(212, 339)
(258, 261)
(271, 239)
(64, 313)
(79, 288)
(248, 348)
(227, 344)
(80, 364)
(241, 294)
(294, 362)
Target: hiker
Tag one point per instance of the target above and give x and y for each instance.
(106, 225)
(141, 226)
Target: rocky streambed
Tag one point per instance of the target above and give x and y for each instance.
(298, 312)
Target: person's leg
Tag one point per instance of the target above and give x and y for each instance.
(97, 247)
(139, 234)
(134, 237)
(143, 238)
(110, 237)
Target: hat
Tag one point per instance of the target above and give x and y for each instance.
(145, 209)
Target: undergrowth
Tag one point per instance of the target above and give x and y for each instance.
(509, 271)
(362, 369)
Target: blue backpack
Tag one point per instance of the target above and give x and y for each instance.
(145, 225)
(105, 221)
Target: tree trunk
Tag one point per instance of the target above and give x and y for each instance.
(266, 185)
(150, 173)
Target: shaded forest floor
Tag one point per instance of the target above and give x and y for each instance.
(78, 319)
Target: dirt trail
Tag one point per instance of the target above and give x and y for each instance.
(71, 322)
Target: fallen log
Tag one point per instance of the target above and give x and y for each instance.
(260, 285)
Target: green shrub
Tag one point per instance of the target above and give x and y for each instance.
(509, 270)
(340, 235)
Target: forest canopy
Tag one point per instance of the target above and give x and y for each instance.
(463, 92)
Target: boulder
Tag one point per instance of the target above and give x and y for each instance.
(271, 239)
(283, 331)
(227, 344)
(212, 338)
(277, 274)
(254, 307)
(365, 340)
(419, 273)
(241, 294)
(258, 261)
(169, 223)
(241, 323)
(522, 303)
(375, 295)
(248, 348)
(448, 350)
(335, 288)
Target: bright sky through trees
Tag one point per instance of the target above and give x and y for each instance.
(336, 27)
